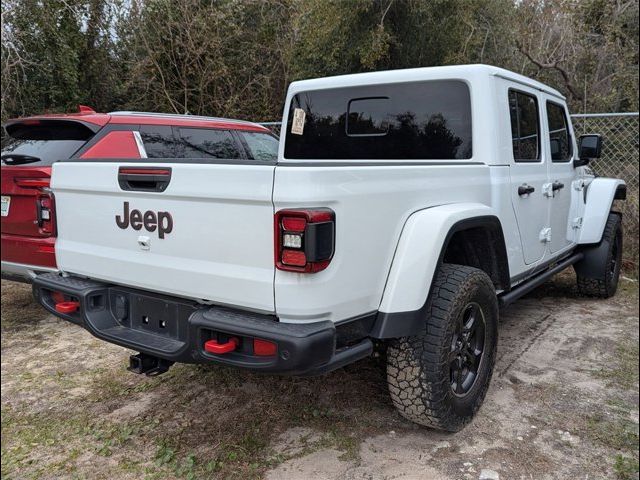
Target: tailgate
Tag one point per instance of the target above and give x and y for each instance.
(197, 230)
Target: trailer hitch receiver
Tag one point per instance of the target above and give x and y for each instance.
(148, 365)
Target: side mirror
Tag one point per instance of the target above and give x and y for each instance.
(589, 147)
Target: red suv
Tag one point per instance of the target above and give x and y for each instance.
(33, 144)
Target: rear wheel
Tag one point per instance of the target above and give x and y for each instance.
(598, 275)
(440, 376)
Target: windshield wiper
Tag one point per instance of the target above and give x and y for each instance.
(18, 159)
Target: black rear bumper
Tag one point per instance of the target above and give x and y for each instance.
(175, 329)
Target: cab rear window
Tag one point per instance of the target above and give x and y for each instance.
(403, 121)
(41, 143)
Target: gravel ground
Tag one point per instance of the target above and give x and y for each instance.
(563, 403)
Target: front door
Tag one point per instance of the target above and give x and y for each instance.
(561, 176)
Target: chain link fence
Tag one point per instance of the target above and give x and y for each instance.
(619, 160)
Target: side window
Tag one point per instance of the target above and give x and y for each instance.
(158, 141)
(208, 143)
(262, 146)
(525, 126)
(559, 137)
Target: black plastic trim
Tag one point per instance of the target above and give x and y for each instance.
(319, 241)
(44, 120)
(532, 272)
(525, 287)
(354, 329)
(138, 182)
(132, 318)
(621, 193)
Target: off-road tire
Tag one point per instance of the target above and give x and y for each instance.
(607, 284)
(418, 367)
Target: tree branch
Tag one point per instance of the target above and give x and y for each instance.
(553, 66)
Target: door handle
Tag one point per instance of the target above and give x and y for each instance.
(557, 186)
(144, 179)
(525, 189)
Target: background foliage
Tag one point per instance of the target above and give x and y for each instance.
(236, 57)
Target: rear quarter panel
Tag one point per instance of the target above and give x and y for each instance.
(372, 204)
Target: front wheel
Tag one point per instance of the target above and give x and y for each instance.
(598, 273)
(439, 377)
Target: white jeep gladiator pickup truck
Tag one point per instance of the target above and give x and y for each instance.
(404, 209)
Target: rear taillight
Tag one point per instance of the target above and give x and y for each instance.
(45, 214)
(304, 239)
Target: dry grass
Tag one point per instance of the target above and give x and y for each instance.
(192, 422)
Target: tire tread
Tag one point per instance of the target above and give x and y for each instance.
(599, 288)
(417, 386)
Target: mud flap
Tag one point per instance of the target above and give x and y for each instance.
(594, 263)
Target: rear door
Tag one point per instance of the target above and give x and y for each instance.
(28, 151)
(197, 226)
(528, 171)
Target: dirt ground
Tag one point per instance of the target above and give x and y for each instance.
(563, 403)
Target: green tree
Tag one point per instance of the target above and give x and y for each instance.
(66, 55)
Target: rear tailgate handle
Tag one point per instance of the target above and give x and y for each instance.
(144, 179)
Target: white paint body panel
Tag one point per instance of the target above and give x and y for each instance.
(371, 204)
(600, 194)
(414, 262)
(221, 246)
(391, 219)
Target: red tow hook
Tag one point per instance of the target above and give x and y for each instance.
(67, 307)
(212, 346)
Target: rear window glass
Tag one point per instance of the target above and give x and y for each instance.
(417, 120)
(43, 143)
(204, 143)
(158, 141)
(38, 152)
(525, 127)
(262, 146)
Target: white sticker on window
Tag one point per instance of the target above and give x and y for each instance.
(297, 126)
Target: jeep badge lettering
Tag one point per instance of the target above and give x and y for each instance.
(162, 221)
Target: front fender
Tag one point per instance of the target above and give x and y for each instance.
(419, 252)
(600, 194)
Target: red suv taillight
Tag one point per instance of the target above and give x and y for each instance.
(304, 239)
(45, 217)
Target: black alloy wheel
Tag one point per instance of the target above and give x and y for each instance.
(467, 348)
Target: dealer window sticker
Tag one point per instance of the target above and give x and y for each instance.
(297, 126)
